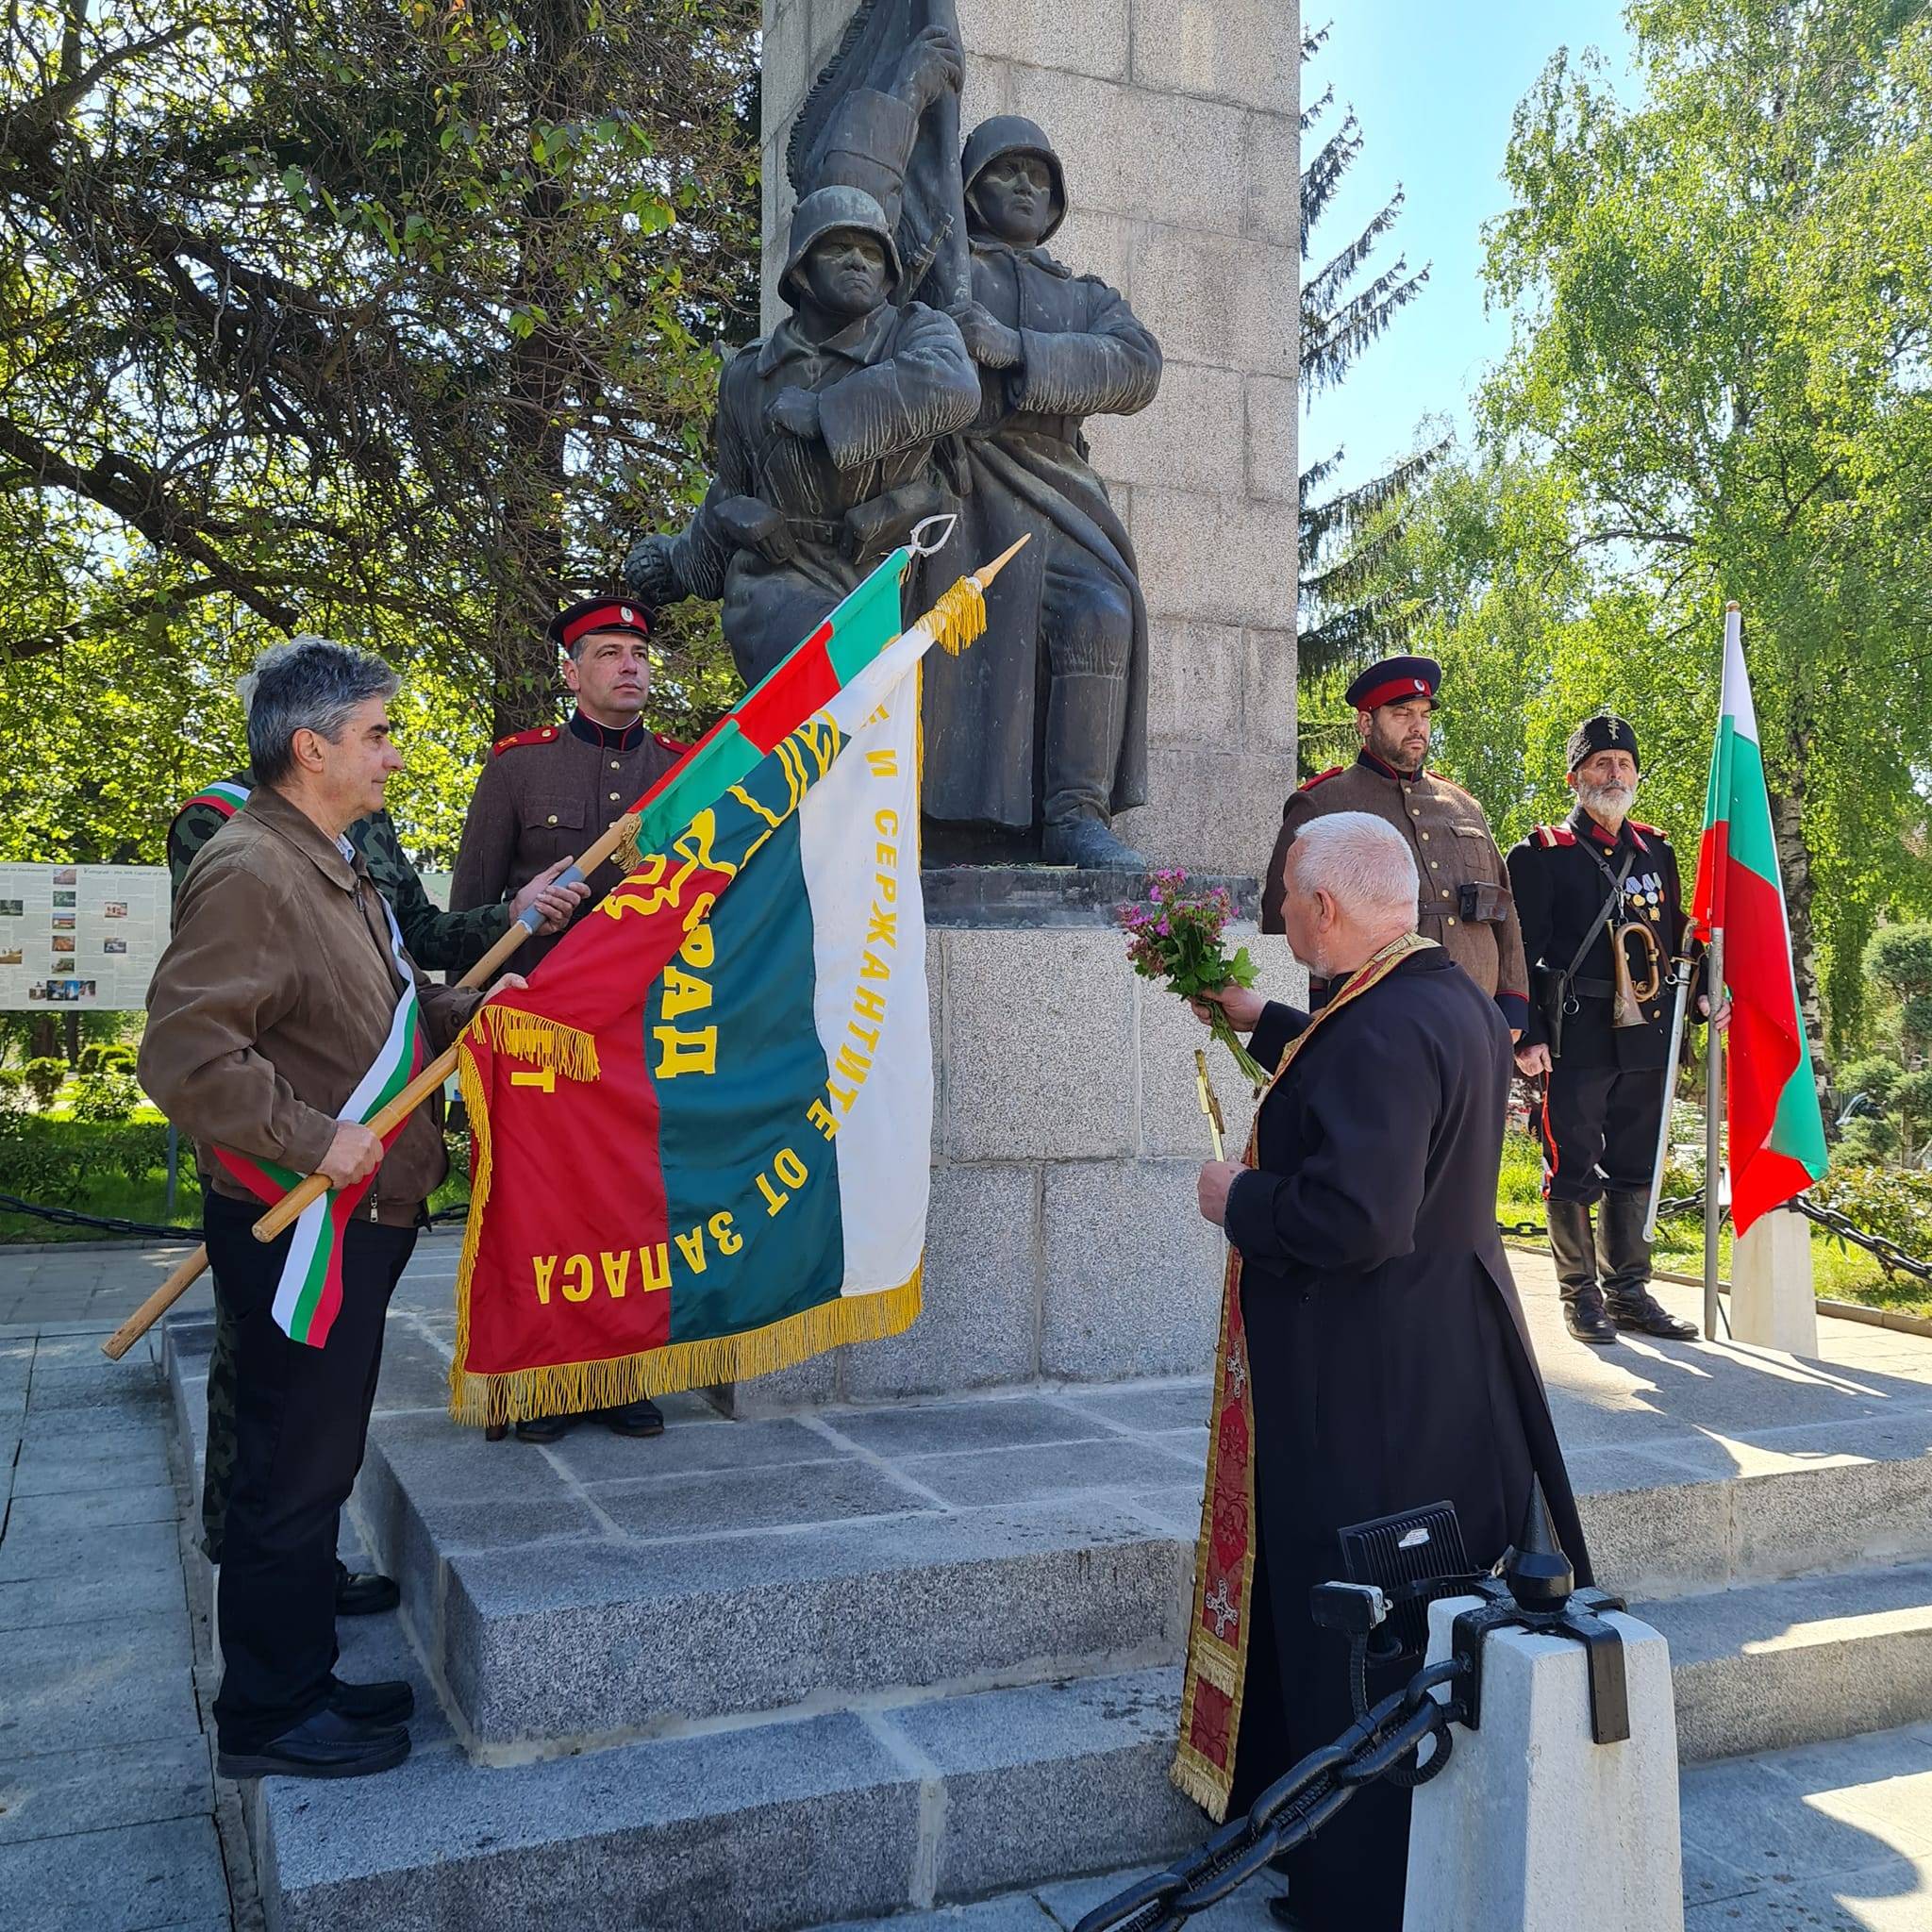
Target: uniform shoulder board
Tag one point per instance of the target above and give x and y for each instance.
(1547, 836)
(538, 734)
(1322, 778)
(1654, 831)
(664, 741)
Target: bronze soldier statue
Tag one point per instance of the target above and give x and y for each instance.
(825, 429)
(1043, 723)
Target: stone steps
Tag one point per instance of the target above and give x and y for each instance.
(852, 1814)
(1769, 1665)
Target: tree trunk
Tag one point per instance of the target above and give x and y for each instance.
(539, 394)
(1795, 862)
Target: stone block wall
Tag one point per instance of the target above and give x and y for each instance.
(1064, 1242)
(1177, 121)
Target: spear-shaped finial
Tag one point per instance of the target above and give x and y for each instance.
(1538, 1572)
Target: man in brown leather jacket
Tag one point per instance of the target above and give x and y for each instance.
(283, 987)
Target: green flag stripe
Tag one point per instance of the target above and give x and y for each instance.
(1744, 806)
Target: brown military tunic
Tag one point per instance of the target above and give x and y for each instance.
(1466, 905)
(546, 794)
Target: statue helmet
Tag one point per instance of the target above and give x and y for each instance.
(825, 211)
(1014, 134)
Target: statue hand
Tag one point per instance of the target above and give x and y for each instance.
(988, 341)
(793, 410)
(649, 571)
(934, 63)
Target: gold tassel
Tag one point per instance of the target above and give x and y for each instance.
(959, 619)
(628, 857)
(573, 1388)
(547, 1044)
(470, 1084)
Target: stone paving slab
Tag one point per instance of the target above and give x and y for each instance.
(107, 1803)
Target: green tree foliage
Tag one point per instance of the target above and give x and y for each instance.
(394, 322)
(1724, 306)
(1346, 304)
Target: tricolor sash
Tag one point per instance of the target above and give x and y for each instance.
(310, 1294)
(1223, 1556)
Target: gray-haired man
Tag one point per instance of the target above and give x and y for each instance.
(284, 988)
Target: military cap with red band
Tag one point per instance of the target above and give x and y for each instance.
(1393, 681)
(574, 623)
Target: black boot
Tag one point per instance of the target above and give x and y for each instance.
(1625, 1259)
(1085, 713)
(324, 1745)
(1583, 1300)
(363, 1593)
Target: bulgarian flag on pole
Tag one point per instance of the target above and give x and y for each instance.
(1777, 1135)
(702, 1136)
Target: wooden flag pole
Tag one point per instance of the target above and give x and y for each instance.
(289, 1207)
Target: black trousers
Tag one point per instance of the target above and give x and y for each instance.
(1599, 1129)
(300, 1424)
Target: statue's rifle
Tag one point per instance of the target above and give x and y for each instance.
(289, 1209)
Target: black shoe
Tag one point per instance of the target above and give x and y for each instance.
(546, 1428)
(1643, 1314)
(324, 1745)
(362, 1593)
(641, 1418)
(1584, 1316)
(380, 1706)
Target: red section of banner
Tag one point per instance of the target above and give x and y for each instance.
(773, 712)
(1708, 897)
(571, 1261)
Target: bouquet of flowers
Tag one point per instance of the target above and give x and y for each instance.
(1175, 936)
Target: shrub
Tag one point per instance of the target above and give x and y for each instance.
(1886, 1201)
(105, 1099)
(44, 1079)
(1868, 1141)
(1913, 1098)
(13, 1094)
(1915, 1018)
(59, 1163)
(1899, 957)
(1876, 1078)
(111, 1057)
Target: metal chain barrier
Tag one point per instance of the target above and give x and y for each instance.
(1671, 1203)
(1889, 1255)
(1387, 1742)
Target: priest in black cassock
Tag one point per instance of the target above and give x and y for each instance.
(1373, 1354)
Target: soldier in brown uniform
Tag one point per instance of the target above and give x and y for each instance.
(1466, 906)
(546, 793)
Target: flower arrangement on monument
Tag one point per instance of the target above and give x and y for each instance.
(1175, 936)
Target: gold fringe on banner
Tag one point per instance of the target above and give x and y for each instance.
(546, 1044)
(959, 619)
(574, 1388)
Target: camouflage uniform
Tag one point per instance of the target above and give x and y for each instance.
(438, 941)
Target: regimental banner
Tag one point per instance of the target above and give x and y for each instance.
(702, 1135)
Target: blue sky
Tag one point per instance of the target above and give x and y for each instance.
(1435, 95)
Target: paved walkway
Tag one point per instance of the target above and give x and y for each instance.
(111, 1821)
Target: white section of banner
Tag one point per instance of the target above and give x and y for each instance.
(859, 847)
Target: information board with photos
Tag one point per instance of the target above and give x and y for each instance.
(80, 935)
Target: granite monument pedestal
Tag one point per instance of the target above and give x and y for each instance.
(1064, 1243)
